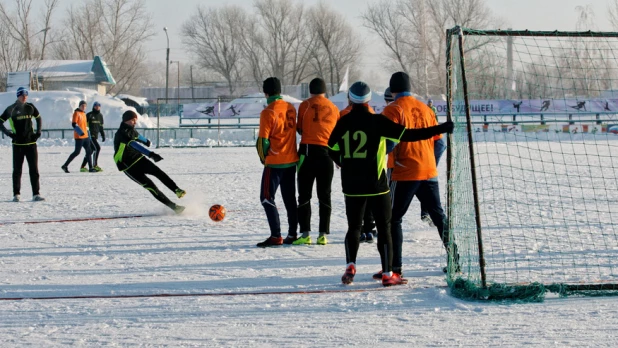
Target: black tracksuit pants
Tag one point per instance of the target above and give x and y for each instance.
(79, 143)
(316, 166)
(138, 174)
(272, 179)
(30, 153)
(96, 149)
(380, 206)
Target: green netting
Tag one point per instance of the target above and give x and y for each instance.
(540, 113)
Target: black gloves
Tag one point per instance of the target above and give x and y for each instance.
(155, 157)
(447, 127)
(103, 138)
(148, 143)
(11, 135)
(37, 135)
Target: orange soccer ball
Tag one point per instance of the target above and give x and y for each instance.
(217, 212)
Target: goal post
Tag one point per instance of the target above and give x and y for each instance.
(532, 164)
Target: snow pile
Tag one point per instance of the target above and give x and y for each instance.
(56, 107)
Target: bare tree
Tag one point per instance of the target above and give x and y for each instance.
(282, 39)
(414, 33)
(19, 24)
(385, 21)
(213, 36)
(336, 39)
(116, 30)
(50, 8)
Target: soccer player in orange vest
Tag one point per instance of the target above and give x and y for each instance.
(276, 146)
(317, 116)
(414, 165)
(82, 137)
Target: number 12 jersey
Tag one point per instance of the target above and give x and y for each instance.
(358, 144)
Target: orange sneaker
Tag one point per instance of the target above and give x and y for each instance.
(348, 276)
(378, 276)
(395, 279)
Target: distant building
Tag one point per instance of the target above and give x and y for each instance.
(57, 75)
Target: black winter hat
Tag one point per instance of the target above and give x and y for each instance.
(128, 115)
(400, 82)
(82, 102)
(317, 86)
(359, 93)
(272, 86)
(388, 97)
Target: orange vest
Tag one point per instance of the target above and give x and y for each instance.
(79, 118)
(278, 125)
(412, 161)
(317, 116)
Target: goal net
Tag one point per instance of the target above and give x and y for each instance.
(532, 163)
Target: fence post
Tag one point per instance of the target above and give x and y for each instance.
(598, 117)
(515, 120)
(571, 119)
(542, 119)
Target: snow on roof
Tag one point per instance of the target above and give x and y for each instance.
(72, 70)
(54, 67)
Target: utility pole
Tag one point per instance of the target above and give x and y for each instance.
(509, 67)
(177, 87)
(192, 94)
(167, 77)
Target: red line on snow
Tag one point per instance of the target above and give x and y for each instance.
(216, 294)
(75, 220)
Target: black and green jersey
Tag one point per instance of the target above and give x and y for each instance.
(20, 115)
(358, 145)
(95, 124)
(124, 155)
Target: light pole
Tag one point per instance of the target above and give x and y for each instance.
(178, 86)
(167, 76)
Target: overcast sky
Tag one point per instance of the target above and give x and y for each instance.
(518, 14)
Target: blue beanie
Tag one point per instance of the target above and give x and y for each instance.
(388, 96)
(22, 91)
(96, 104)
(359, 93)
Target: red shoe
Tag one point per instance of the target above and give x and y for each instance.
(395, 279)
(378, 276)
(348, 276)
(270, 242)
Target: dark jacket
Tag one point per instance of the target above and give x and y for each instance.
(124, 155)
(95, 124)
(20, 118)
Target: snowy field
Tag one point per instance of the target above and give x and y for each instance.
(191, 255)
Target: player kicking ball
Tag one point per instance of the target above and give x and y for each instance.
(129, 158)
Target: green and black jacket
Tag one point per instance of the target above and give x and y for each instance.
(358, 145)
(95, 124)
(20, 118)
(126, 156)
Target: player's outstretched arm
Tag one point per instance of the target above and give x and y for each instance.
(426, 133)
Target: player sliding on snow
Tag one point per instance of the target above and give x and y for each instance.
(129, 158)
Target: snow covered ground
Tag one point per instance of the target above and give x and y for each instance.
(189, 254)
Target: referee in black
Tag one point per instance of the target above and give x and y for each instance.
(20, 115)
